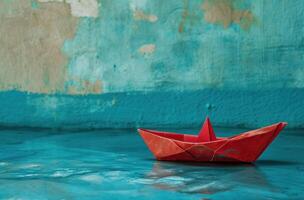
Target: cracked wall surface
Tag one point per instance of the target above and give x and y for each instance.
(101, 46)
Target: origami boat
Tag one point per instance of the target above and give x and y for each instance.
(206, 147)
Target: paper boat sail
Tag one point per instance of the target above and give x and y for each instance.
(206, 147)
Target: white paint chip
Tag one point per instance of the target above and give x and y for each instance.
(80, 8)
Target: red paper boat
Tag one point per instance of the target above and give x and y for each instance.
(206, 147)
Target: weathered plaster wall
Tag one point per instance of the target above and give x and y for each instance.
(165, 50)
(188, 45)
(30, 45)
(226, 108)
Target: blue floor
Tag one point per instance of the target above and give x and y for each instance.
(115, 164)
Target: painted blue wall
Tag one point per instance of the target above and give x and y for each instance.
(153, 63)
(267, 53)
(226, 108)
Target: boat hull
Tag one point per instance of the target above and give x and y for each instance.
(246, 147)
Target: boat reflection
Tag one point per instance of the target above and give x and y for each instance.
(205, 178)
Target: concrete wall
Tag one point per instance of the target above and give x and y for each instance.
(142, 62)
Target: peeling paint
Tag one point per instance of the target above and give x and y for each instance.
(147, 49)
(63, 47)
(31, 41)
(140, 15)
(223, 12)
(41, 52)
(80, 8)
(82, 78)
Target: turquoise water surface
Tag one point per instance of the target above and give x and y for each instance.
(115, 164)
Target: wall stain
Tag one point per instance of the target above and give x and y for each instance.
(225, 13)
(140, 15)
(31, 39)
(147, 49)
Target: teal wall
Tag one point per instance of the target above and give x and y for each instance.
(226, 108)
(265, 54)
(118, 63)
